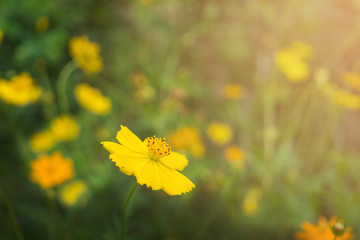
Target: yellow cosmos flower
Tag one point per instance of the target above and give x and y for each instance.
(42, 24)
(352, 80)
(49, 171)
(233, 91)
(219, 133)
(20, 90)
(292, 61)
(91, 99)
(251, 201)
(151, 161)
(234, 154)
(1, 35)
(188, 138)
(86, 54)
(42, 141)
(64, 128)
(322, 231)
(72, 192)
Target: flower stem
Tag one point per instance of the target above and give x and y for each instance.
(12, 215)
(124, 209)
(64, 75)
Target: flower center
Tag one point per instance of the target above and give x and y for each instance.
(157, 147)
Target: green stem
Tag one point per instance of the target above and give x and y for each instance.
(12, 214)
(64, 75)
(51, 208)
(124, 210)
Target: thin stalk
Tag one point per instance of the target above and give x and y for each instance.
(64, 75)
(124, 210)
(11, 214)
(51, 208)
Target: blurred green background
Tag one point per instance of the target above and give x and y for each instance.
(170, 64)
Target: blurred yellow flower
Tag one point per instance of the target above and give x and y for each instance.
(143, 90)
(71, 193)
(188, 138)
(340, 97)
(234, 154)
(49, 171)
(20, 90)
(292, 63)
(1, 35)
(86, 54)
(322, 231)
(233, 91)
(251, 201)
(352, 80)
(91, 99)
(64, 128)
(346, 99)
(42, 24)
(219, 133)
(302, 50)
(42, 141)
(152, 162)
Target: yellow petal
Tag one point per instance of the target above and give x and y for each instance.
(127, 160)
(111, 147)
(175, 161)
(173, 182)
(130, 140)
(149, 175)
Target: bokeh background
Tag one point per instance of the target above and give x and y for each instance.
(263, 97)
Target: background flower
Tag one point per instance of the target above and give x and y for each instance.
(64, 128)
(20, 90)
(49, 171)
(91, 99)
(86, 54)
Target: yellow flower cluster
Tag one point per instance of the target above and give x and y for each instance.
(343, 97)
(322, 231)
(346, 99)
(20, 90)
(91, 99)
(251, 201)
(151, 161)
(233, 91)
(71, 193)
(219, 133)
(189, 139)
(62, 128)
(292, 63)
(49, 171)
(86, 54)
